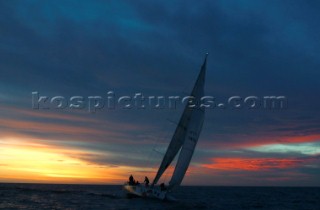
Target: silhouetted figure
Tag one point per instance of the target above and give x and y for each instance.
(162, 187)
(146, 181)
(131, 180)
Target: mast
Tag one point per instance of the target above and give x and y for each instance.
(186, 135)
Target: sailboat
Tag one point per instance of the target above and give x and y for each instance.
(184, 140)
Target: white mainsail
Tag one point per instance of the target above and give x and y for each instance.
(186, 135)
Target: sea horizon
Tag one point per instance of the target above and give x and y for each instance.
(45, 183)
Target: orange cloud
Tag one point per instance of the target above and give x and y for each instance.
(252, 164)
(28, 123)
(77, 116)
(49, 127)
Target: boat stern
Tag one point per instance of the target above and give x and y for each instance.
(144, 191)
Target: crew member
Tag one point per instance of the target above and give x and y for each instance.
(146, 181)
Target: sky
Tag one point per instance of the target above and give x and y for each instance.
(89, 48)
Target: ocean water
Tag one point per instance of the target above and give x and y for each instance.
(50, 196)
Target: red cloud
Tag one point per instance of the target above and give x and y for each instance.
(254, 164)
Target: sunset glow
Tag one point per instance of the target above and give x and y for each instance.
(31, 162)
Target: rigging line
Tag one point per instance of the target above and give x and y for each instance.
(164, 135)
